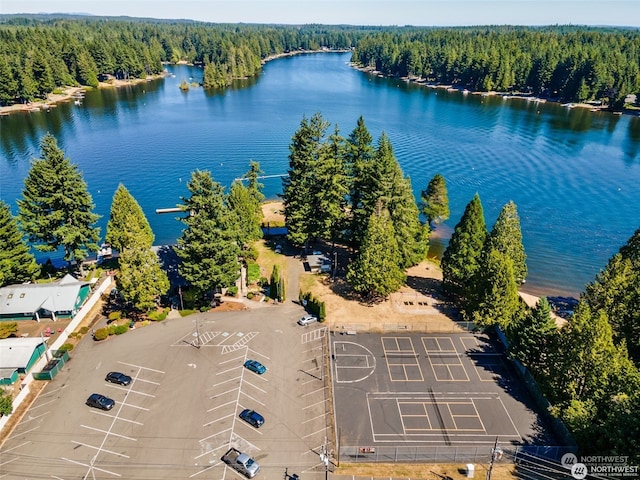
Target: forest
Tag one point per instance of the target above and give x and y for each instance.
(563, 63)
(40, 54)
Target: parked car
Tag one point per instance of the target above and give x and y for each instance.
(117, 377)
(252, 417)
(96, 400)
(255, 366)
(307, 320)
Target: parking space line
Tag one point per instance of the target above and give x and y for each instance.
(92, 467)
(314, 392)
(202, 471)
(257, 353)
(147, 381)
(217, 420)
(9, 461)
(17, 446)
(210, 436)
(235, 359)
(229, 370)
(223, 393)
(253, 399)
(108, 432)
(315, 418)
(27, 431)
(129, 390)
(141, 367)
(218, 406)
(252, 385)
(130, 421)
(223, 382)
(43, 404)
(324, 429)
(314, 404)
(100, 449)
(34, 418)
(136, 406)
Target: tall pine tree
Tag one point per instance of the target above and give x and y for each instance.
(461, 259)
(506, 237)
(56, 209)
(435, 200)
(127, 223)
(208, 247)
(17, 264)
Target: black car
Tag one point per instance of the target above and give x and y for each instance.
(252, 417)
(100, 401)
(119, 378)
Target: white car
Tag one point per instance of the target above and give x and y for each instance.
(307, 320)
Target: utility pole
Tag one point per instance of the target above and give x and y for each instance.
(494, 456)
(324, 458)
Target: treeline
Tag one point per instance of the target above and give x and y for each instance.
(571, 64)
(588, 367)
(39, 56)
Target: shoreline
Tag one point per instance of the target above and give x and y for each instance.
(592, 106)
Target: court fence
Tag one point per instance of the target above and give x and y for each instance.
(418, 327)
(450, 454)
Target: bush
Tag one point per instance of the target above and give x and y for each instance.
(251, 253)
(263, 282)
(250, 295)
(253, 273)
(120, 329)
(232, 291)
(67, 347)
(84, 330)
(313, 305)
(186, 312)
(157, 316)
(100, 334)
(115, 316)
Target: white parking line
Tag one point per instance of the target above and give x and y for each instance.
(253, 399)
(223, 382)
(217, 420)
(223, 393)
(92, 467)
(101, 449)
(315, 418)
(313, 393)
(201, 471)
(34, 418)
(213, 435)
(44, 403)
(252, 385)
(17, 446)
(236, 359)
(316, 432)
(27, 431)
(147, 381)
(225, 371)
(317, 403)
(117, 387)
(141, 367)
(219, 406)
(109, 432)
(136, 406)
(9, 461)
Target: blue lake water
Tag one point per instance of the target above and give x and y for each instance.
(574, 174)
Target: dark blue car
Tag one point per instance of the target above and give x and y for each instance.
(255, 366)
(100, 401)
(252, 417)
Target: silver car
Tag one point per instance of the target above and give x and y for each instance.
(307, 320)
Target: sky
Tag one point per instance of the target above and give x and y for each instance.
(354, 12)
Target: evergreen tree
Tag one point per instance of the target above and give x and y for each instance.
(495, 299)
(208, 246)
(17, 264)
(127, 225)
(532, 337)
(376, 272)
(506, 237)
(461, 258)
(359, 158)
(299, 185)
(616, 292)
(244, 210)
(435, 200)
(275, 284)
(56, 209)
(140, 278)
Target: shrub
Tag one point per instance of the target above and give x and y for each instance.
(157, 316)
(263, 282)
(6, 404)
(253, 273)
(313, 305)
(232, 291)
(84, 330)
(67, 347)
(186, 312)
(100, 334)
(115, 315)
(251, 253)
(250, 295)
(120, 329)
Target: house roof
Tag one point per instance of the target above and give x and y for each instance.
(16, 352)
(27, 298)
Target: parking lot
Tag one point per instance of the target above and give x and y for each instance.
(425, 392)
(179, 414)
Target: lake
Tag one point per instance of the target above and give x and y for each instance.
(574, 174)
